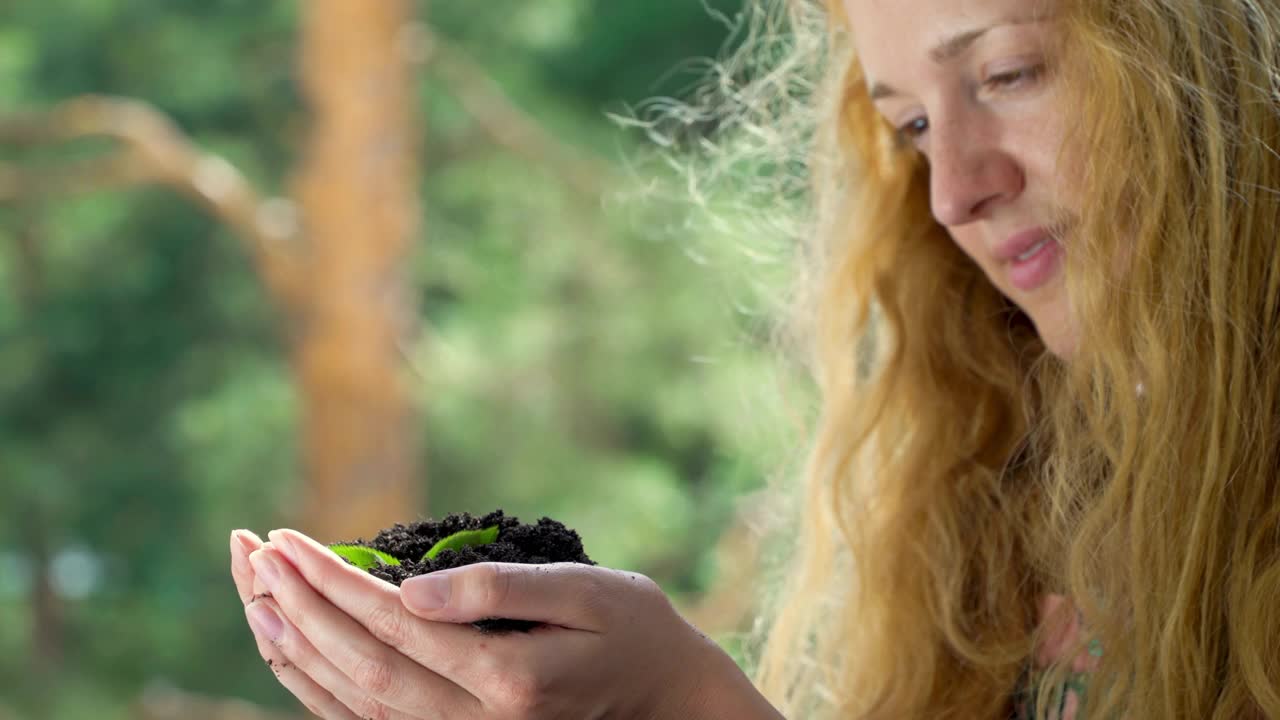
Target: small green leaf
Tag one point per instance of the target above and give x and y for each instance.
(365, 558)
(465, 538)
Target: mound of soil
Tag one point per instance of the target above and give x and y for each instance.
(548, 541)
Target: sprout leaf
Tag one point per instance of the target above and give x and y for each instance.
(365, 558)
(465, 538)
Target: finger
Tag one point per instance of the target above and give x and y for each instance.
(376, 605)
(319, 701)
(319, 678)
(315, 698)
(376, 668)
(243, 542)
(571, 595)
(259, 588)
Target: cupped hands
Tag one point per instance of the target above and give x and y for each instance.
(350, 646)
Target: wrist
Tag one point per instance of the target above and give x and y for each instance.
(717, 689)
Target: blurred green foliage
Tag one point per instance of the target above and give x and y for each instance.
(578, 360)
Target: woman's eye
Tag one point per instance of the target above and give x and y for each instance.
(1015, 78)
(913, 129)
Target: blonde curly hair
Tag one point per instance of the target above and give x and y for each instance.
(958, 470)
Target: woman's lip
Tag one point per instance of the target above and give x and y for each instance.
(1020, 242)
(1032, 273)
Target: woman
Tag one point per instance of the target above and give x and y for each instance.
(1045, 312)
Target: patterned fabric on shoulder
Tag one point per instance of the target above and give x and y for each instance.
(1068, 696)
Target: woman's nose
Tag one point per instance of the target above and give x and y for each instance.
(969, 172)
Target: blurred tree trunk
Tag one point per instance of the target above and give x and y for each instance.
(338, 277)
(48, 621)
(357, 192)
(47, 629)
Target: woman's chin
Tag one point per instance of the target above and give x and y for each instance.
(1058, 337)
(1062, 348)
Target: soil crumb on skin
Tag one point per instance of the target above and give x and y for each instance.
(547, 541)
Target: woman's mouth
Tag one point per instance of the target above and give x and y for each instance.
(1036, 266)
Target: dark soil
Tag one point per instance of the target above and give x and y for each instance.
(546, 542)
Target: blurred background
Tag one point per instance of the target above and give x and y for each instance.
(336, 264)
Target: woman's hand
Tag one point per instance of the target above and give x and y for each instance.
(351, 646)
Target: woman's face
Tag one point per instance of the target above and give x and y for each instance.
(971, 84)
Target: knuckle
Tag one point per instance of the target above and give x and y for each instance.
(650, 587)
(496, 586)
(609, 593)
(387, 626)
(520, 692)
(374, 676)
(640, 584)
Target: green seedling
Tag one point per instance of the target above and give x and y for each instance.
(466, 538)
(365, 558)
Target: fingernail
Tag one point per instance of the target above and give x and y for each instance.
(265, 622)
(245, 542)
(265, 568)
(285, 545)
(426, 592)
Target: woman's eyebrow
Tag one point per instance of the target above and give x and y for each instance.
(950, 48)
(954, 46)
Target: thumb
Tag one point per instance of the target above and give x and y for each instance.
(572, 595)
